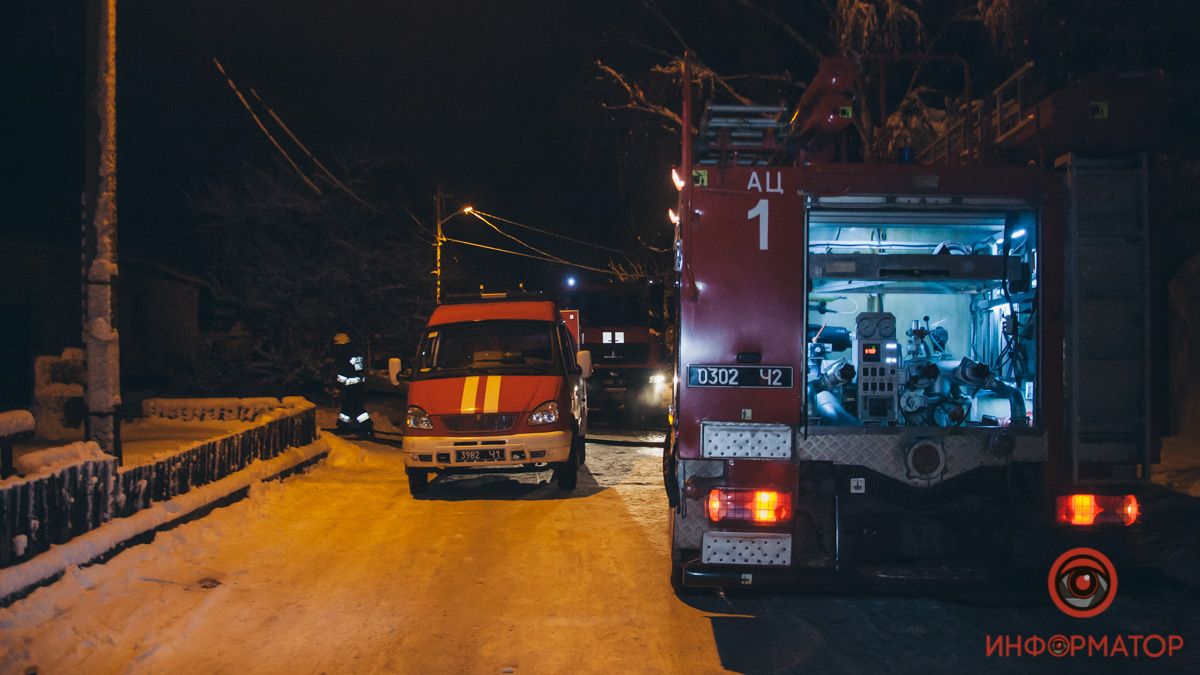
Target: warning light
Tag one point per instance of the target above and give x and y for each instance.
(1085, 510)
(757, 506)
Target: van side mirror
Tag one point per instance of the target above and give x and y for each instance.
(394, 370)
(584, 359)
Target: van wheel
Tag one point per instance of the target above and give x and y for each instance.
(567, 473)
(418, 481)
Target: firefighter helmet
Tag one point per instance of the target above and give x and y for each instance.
(341, 339)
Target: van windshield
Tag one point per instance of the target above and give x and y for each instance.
(487, 348)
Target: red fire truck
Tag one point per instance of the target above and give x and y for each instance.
(624, 333)
(904, 370)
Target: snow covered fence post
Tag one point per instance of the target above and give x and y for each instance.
(14, 424)
(61, 493)
(277, 426)
(102, 381)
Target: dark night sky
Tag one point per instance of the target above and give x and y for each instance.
(497, 99)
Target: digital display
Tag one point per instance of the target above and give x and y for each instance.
(870, 352)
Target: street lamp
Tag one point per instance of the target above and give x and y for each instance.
(438, 246)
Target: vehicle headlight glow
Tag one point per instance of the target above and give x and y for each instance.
(658, 378)
(417, 418)
(546, 413)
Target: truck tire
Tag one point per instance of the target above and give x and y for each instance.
(418, 481)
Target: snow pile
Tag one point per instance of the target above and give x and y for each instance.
(204, 409)
(53, 460)
(15, 422)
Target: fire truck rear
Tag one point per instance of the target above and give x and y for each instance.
(900, 370)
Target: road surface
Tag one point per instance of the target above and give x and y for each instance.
(341, 571)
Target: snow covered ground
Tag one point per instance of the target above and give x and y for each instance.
(339, 570)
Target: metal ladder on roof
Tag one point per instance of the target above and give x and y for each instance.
(741, 134)
(1108, 312)
(982, 123)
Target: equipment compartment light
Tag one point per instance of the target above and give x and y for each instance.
(748, 505)
(1084, 510)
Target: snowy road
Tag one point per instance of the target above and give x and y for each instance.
(339, 570)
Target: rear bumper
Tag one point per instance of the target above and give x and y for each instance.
(520, 451)
(698, 575)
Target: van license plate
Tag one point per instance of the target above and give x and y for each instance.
(492, 455)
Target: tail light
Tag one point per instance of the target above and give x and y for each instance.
(750, 505)
(1084, 510)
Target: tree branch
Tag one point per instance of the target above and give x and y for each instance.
(787, 28)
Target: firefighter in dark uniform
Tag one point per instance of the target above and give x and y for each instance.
(351, 366)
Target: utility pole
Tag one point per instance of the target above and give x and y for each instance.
(102, 363)
(438, 197)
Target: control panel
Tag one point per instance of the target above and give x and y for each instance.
(877, 356)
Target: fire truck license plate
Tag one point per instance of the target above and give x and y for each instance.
(494, 455)
(760, 377)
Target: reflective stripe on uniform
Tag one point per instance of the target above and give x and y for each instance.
(341, 378)
(343, 417)
(354, 380)
(364, 417)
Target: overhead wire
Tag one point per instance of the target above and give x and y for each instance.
(558, 261)
(550, 257)
(316, 162)
(549, 233)
(257, 120)
(531, 247)
(329, 174)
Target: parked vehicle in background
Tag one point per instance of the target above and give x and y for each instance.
(622, 327)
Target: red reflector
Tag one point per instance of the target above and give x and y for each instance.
(757, 506)
(1084, 510)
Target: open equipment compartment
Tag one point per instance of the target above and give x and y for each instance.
(920, 314)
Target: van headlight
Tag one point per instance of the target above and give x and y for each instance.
(417, 418)
(658, 378)
(546, 413)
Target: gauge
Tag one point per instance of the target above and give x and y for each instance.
(887, 327)
(866, 328)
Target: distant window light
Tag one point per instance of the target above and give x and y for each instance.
(606, 337)
(619, 337)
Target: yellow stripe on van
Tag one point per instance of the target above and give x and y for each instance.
(470, 388)
(491, 395)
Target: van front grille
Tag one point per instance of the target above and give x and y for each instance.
(480, 422)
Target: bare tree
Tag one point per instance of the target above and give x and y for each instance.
(297, 265)
(869, 31)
